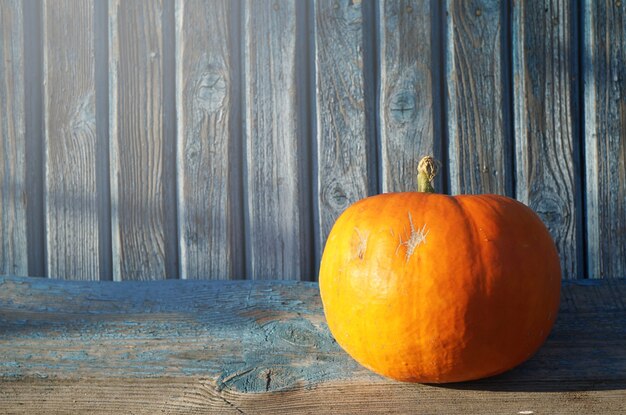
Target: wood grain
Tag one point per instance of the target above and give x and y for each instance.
(209, 198)
(103, 176)
(546, 117)
(33, 131)
(604, 72)
(138, 182)
(197, 396)
(340, 99)
(276, 213)
(13, 232)
(71, 205)
(480, 150)
(264, 347)
(344, 166)
(407, 102)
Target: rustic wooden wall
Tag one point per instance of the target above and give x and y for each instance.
(220, 139)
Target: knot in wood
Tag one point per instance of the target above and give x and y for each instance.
(402, 106)
(336, 196)
(211, 91)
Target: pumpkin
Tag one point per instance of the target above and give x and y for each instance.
(430, 288)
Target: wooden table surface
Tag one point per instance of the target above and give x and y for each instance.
(240, 347)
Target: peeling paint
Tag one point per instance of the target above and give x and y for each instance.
(237, 333)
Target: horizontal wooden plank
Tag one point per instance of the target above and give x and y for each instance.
(264, 347)
(197, 396)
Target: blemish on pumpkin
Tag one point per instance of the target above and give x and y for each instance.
(484, 234)
(361, 243)
(415, 239)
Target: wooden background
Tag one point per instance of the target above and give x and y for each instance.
(220, 139)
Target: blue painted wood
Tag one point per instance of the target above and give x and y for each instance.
(479, 133)
(13, 231)
(604, 77)
(359, 94)
(71, 199)
(409, 92)
(276, 188)
(239, 333)
(546, 111)
(343, 167)
(208, 141)
(232, 332)
(141, 144)
(264, 347)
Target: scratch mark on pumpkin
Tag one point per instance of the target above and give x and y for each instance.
(362, 243)
(415, 239)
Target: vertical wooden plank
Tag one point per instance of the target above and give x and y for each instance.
(13, 239)
(277, 219)
(71, 205)
(138, 189)
(344, 167)
(406, 102)
(33, 131)
(169, 146)
(103, 176)
(480, 150)
(208, 173)
(604, 72)
(544, 64)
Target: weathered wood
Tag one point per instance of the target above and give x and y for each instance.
(604, 73)
(103, 176)
(408, 102)
(13, 232)
(276, 214)
(71, 204)
(139, 187)
(264, 347)
(344, 166)
(324, 148)
(209, 201)
(546, 118)
(197, 396)
(479, 134)
(33, 131)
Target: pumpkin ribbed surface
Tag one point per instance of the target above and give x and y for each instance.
(425, 287)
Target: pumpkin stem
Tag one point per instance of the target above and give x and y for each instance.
(426, 172)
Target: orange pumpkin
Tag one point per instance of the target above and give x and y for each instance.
(424, 287)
